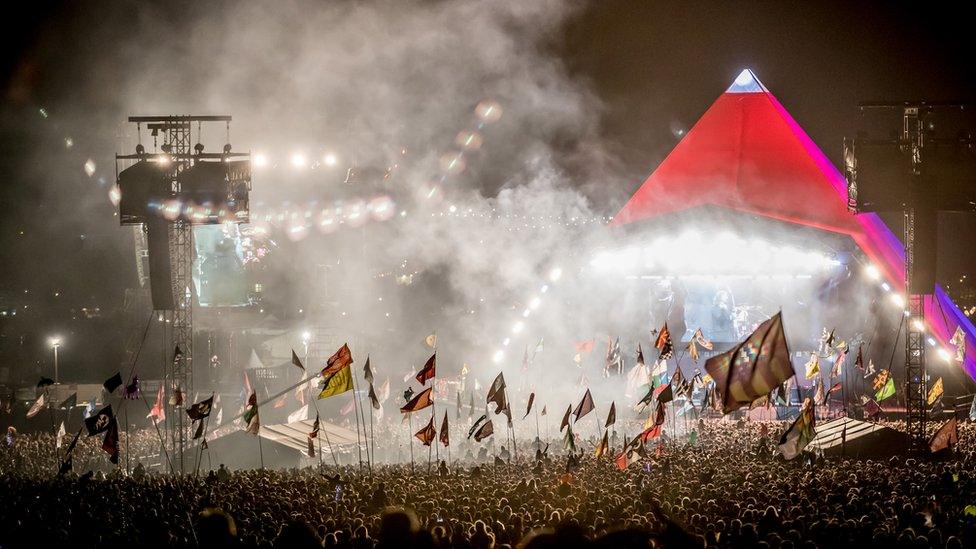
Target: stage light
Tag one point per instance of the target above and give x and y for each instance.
(944, 355)
(872, 272)
(918, 325)
(535, 302)
(518, 327)
(506, 342)
(330, 159)
(898, 300)
(54, 341)
(885, 287)
(114, 195)
(259, 160)
(498, 356)
(555, 274)
(163, 160)
(90, 167)
(298, 160)
(306, 337)
(931, 341)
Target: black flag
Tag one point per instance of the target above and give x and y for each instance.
(485, 431)
(113, 383)
(529, 407)
(585, 406)
(199, 432)
(368, 372)
(201, 409)
(476, 424)
(612, 416)
(496, 393)
(69, 402)
(100, 422)
(296, 361)
(565, 421)
(65, 466)
(375, 402)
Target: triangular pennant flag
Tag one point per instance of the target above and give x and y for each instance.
(935, 392)
(113, 383)
(368, 372)
(612, 415)
(475, 425)
(36, 408)
(565, 422)
(315, 427)
(946, 437)
(445, 431)
(70, 402)
(199, 432)
(427, 434)
(339, 360)
(373, 400)
(296, 361)
(419, 402)
(585, 406)
(428, 371)
(664, 343)
(528, 408)
(496, 393)
(484, 431)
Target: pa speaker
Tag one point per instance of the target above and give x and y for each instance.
(160, 269)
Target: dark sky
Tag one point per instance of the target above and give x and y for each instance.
(655, 66)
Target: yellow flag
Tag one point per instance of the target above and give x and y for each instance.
(935, 392)
(337, 383)
(813, 366)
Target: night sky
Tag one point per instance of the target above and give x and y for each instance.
(655, 66)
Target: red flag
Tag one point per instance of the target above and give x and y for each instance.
(445, 431)
(338, 361)
(946, 437)
(529, 407)
(427, 434)
(419, 402)
(651, 433)
(428, 371)
(584, 346)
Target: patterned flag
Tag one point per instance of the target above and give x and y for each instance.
(615, 364)
(484, 431)
(871, 407)
(315, 427)
(886, 391)
(754, 367)
(819, 397)
(565, 422)
(585, 406)
(336, 382)
(838, 368)
(251, 417)
(796, 438)
(158, 411)
(612, 415)
(959, 340)
(528, 407)
(339, 360)
(295, 360)
(496, 393)
(428, 371)
(881, 379)
(37, 407)
(113, 383)
(946, 436)
(419, 402)
(699, 338)
(445, 431)
(664, 343)
(935, 392)
(601, 450)
(813, 366)
(476, 424)
(100, 422)
(427, 434)
(131, 391)
(693, 350)
(201, 409)
(859, 361)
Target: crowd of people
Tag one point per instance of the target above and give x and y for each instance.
(726, 486)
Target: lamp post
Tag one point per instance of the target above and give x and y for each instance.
(55, 343)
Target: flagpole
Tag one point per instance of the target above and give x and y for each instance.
(260, 448)
(537, 435)
(355, 401)
(433, 416)
(372, 441)
(410, 438)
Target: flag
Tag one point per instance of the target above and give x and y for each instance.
(699, 338)
(112, 383)
(800, 433)
(201, 409)
(584, 346)
(585, 406)
(754, 367)
(310, 452)
(819, 398)
(177, 398)
(631, 454)
(100, 422)
(373, 400)
(539, 347)
(664, 343)
(131, 391)
(445, 431)
(384, 394)
(297, 415)
(507, 410)
(612, 415)
(614, 363)
(339, 360)
(881, 379)
(946, 436)
(528, 407)
(604, 445)
(408, 394)
(813, 366)
(886, 391)
(69, 402)
(665, 393)
(74, 442)
(870, 370)
(959, 340)
(337, 381)
(569, 439)
(651, 433)
(638, 377)
(348, 408)
(368, 372)
(428, 371)
(199, 431)
(693, 350)
(315, 427)
(251, 417)
(37, 407)
(659, 415)
(640, 355)
(835, 387)
(431, 340)
(859, 361)
(65, 466)
(871, 407)
(972, 409)
(295, 360)
(935, 392)
(651, 393)
(565, 422)
(419, 402)
(280, 402)
(44, 382)
(110, 444)
(476, 424)
(177, 354)
(496, 393)
(837, 370)
(59, 438)
(427, 434)
(543, 412)
(484, 431)
(158, 411)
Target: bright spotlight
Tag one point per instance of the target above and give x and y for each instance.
(498, 356)
(918, 325)
(534, 303)
(944, 355)
(54, 341)
(898, 300)
(555, 274)
(298, 160)
(872, 272)
(330, 159)
(259, 160)
(518, 327)
(306, 337)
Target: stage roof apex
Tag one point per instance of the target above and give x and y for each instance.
(746, 82)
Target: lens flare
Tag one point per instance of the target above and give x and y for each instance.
(469, 140)
(453, 163)
(488, 111)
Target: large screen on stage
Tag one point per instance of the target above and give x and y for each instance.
(219, 276)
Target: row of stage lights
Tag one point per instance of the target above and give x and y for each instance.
(873, 273)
